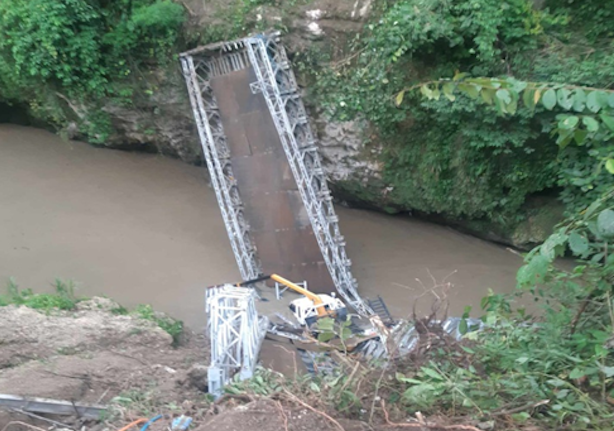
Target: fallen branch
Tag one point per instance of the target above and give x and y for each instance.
(283, 414)
(422, 423)
(22, 424)
(520, 409)
(313, 409)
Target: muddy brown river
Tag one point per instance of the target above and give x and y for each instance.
(142, 228)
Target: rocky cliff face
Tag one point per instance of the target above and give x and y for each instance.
(160, 117)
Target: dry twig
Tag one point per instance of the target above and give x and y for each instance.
(284, 416)
(423, 424)
(27, 425)
(313, 409)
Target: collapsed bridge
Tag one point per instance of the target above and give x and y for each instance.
(276, 205)
(262, 157)
(270, 186)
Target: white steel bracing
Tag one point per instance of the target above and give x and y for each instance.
(278, 86)
(217, 154)
(236, 333)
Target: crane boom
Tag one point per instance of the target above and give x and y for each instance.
(317, 301)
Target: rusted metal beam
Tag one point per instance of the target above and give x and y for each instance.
(49, 406)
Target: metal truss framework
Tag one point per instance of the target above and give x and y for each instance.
(276, 81)
(236, 333)
(217, 154)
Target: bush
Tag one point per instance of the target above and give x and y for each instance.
(173, 327)
(463, 160)
(63, 298)
(80, 47)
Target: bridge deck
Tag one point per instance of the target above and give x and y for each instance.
(279, 223)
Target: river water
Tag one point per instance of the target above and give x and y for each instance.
(143, 228)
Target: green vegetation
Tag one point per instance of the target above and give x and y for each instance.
(552, 369)
(63, 298)
(73, 52)
(462, 160)
(172, 326)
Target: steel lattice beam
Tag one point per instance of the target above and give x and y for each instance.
(236, 333)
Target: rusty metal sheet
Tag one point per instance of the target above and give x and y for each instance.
(236, 138)
(247, 101)
(263, 172)
(278, 221)
(262, 133)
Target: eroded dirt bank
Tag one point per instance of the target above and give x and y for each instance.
(142, 228)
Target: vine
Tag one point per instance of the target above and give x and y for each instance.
(82, 50)
(584, 116)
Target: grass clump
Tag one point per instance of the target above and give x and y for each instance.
(172, 326)
(63, 297)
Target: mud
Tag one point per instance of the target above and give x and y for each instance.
(142, 228)
(92, 355)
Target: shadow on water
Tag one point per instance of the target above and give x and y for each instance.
(14, 114)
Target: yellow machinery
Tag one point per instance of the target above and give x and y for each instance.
(312, 306)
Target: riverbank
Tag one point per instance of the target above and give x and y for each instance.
(95, 353)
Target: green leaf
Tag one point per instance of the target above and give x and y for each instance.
(578, 243)
(325, 337)
(512, 107)
(504, 96)
(569, 122)
(463, 327)
(534, 271)
(471, 90)
(608, 371)
(611, 100)
(608, 121)
(592, 208)
(399, 98)
(426, 91)
(519, 417)
(518, 86)
(436, 93)
(527, 99)
(432, 373)
(579, 136)
(501, 107)
(448, 90)
(592, 101)
(605, 223)
(549, 247)
(564, 98)
(602, 99)
(549, 99)
(346, 334)
(487, 95)
(609, 165)
(579, 100)
(401, 378)
(597, 258)
(557, 383)
(458, 76)
(576, 373)
(564, 138)
(325, 324)
(591, 124)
